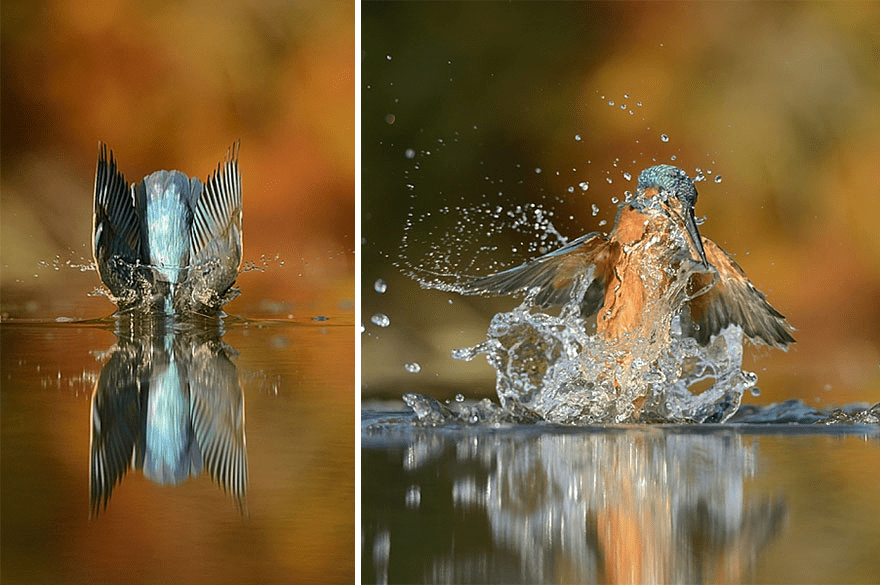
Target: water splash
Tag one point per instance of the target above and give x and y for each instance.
(550, 365)
(556, 368)
(426, 253)
(140, 293)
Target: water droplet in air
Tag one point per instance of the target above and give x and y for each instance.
(610, 103)
(459, 397)
(389, 119)
(627, 176)
(584, 185)
(595, 209)
(380, 286)
(538, 171)
(717, 178)
(664, 138)
(412, 367)
(388, 57)
(410, 153)
(381, 320)
(615, 200)
(577, 137)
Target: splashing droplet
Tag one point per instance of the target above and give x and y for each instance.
(595, 209)
(381, 320)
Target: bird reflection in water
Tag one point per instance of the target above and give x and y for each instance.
(168, 402)
(515, 506)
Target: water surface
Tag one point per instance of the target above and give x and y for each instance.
(287, 386)
(538, 503)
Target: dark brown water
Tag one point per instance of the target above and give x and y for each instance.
(294, 378)
(726, 503)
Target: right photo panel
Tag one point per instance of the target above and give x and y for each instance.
(620, 282)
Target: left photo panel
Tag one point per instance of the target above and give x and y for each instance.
(177, 292)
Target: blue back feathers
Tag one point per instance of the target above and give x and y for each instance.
(168, 237)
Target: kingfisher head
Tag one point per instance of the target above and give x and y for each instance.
(673, 182)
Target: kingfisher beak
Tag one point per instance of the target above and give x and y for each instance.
(690, 224)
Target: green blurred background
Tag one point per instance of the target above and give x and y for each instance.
(171, 85)
(781, 100)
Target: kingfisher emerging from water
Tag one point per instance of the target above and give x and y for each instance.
(168, 243)
(654, 244)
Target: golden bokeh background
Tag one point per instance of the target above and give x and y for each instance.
(172, 86)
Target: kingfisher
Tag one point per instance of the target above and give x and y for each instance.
(169, 243)
(654, 242)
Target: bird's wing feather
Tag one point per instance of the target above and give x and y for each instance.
(115, 226)
(733, 299)
(216, 228)
(554, 274)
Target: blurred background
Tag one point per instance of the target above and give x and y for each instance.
(486, 106)
(172, 86)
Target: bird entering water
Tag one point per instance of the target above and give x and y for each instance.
(654, 242)
(168, 243)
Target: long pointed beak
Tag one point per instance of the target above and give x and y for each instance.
(691, 224)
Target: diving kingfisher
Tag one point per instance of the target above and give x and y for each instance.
(169, 243)
(655, 238)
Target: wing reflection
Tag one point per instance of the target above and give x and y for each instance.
(593, 506)
(168, 402)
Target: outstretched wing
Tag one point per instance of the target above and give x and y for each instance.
(555, 274)
(215, 241)
(117, 241)
(733, 299)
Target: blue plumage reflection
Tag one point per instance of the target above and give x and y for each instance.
(168, 402)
